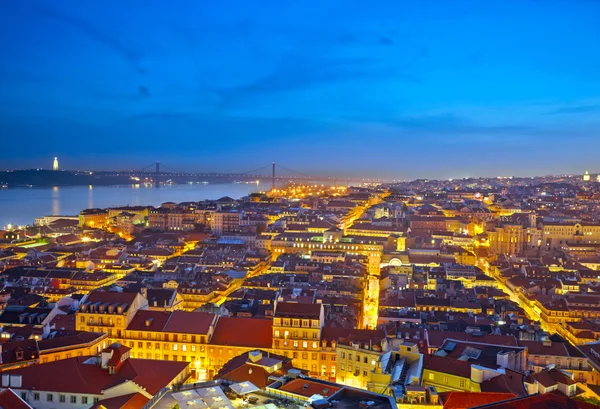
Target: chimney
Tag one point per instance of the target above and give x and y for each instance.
(255, 356)
(16, 381)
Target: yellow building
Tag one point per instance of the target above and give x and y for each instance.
(94, 218)
(555, 235)
(447, 374)
(109, 312)
(65, 347)
(335, 241)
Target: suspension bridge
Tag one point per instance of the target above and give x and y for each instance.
(273, 172)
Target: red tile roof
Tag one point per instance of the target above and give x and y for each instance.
(549, 348)
(111, 297)
(90, 378)
(464, 400)
(447, 365)
(156, 320)
(298, 310)
(10, 400)
(70, 339)
(550, 377)
(510, 382)
(552, 400)
(247, 332)
(436, 338)
(308, 388)
(189, 322)
(241, 369)
(131, 401)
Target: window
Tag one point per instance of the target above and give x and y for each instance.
(84, 400)
(193, 348)
(364, 373)
(343, 355)
(314, 345)
(304, 355)
(36, 396)
(24, 396)
(277, 334)
(431, 376)
(62, 398)
(184, 348)
(295, 344)
(73, 399)
(175, 347)
(342, 367)
(304, 344)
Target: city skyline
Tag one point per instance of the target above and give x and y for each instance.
(462, 90)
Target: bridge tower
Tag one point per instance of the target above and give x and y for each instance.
(156, 175)
(273, 178)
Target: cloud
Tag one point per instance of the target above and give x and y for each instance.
(579, 109)
(384, 40)
(457, 129)
(476, 59)
(125, 51)
(303, 72)
(296, 72)
(143, 91)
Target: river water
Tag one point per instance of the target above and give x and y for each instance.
(20, 206)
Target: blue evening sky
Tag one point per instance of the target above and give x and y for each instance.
(395, 89)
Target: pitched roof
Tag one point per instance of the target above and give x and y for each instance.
(308, 388)
(189, 322)
(436, 338)
(147, 320)
(550, 377)
(510, 382)
(447, 365)
(548, 348)
(298, 310)
(464, 400)
(228, 330)
(241, 369)
(550, 400)
(90, 378)
(131, 401)
(111, 297)
(10, 400)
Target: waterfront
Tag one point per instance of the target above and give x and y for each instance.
(20, 206)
